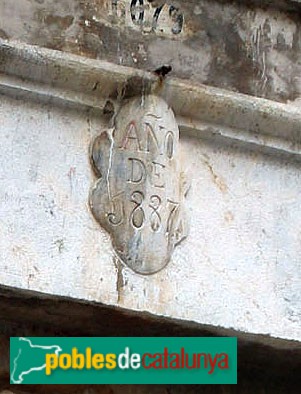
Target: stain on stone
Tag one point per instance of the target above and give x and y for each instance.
(281, 44)
(229, 217)
(120, 282)
(60, 245)
(296, 45)
(217, 179)
(3, 34)
(109, 108)
(95, 86)
(59, 21)
(216, 49)
(134, 86)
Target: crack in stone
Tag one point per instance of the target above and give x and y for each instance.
(111, 138)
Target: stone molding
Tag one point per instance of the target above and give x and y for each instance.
(58, 77)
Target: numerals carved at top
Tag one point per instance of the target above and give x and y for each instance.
(162, 19)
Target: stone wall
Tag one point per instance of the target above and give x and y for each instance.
(238, 270)
(250, 47)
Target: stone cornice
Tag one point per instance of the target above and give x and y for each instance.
(54, 76)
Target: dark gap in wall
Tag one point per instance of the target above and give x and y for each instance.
(262, 360)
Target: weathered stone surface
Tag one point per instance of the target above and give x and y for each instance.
(54, 77)
(239, 266)
(139, 197)
(251, 46)
(244, 158)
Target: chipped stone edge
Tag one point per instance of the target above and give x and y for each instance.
(59, 77)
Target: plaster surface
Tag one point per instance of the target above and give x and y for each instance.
(239, 267)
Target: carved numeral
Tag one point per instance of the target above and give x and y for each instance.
(116, 216)
(172, 218)
(138, 14)
(137, 216)
(155, 218)
(177, 18)
(137, 11)
(114, 6)
(156, 16)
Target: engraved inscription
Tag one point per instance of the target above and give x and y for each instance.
(137, 11)
(139, 196)
(139, 14)
(116, 213)
(155, 217)
(137, 215)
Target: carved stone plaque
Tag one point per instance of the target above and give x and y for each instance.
(138, 198)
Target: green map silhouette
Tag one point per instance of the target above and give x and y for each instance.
(30, 358)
